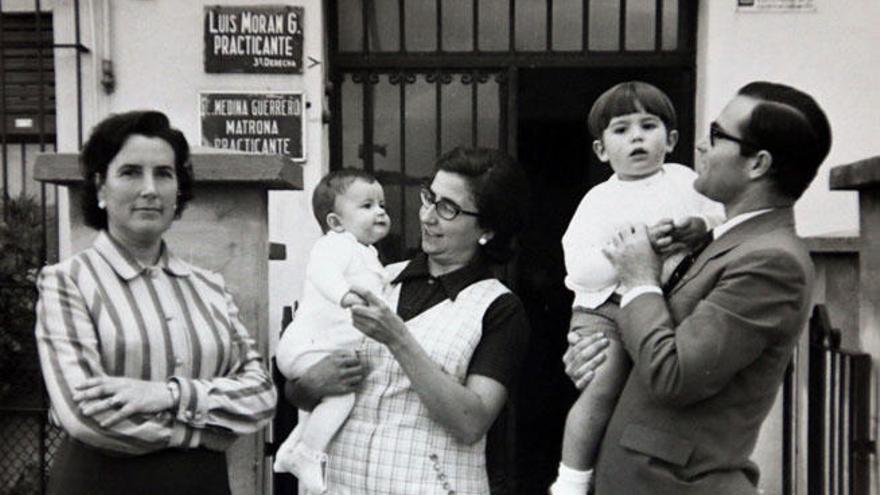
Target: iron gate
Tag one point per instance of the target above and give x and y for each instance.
(412, 80)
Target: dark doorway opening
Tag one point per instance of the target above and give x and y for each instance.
(556, 149)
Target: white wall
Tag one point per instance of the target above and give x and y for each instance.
(157, 51)
(833, 54)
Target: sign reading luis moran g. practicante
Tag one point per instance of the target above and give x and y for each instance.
(267, 123)
(262, 39)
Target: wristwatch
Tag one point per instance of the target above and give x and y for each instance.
(174, 390)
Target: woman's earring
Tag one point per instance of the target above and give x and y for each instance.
(102, 204)
(482, 241)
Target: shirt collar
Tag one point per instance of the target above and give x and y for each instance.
(733, 222)
(127, 267)
(452, 282)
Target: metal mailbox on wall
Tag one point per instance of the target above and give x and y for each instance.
(263, 39)
(266, 123)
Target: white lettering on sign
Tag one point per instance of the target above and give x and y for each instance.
(269, 123)
(274, 146)
(230, 108)
(260, 39)
(222, 23)
(257, 23)
(273, 62)
(246, 44)
(251, 126)
(292, 23)
(276, 108)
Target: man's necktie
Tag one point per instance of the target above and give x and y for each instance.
(686, 263)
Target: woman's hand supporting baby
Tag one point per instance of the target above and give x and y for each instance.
(338, 373)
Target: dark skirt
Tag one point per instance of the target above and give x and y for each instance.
(81, 470)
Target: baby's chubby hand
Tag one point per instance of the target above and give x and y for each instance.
(668, 236)
(661, 235)
(350, 299)
(688, 231)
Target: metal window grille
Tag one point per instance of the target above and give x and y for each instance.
(394, 124)
(493, 27)
(29, 235)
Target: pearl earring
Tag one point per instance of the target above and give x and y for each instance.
(482, 241)
(102, 204)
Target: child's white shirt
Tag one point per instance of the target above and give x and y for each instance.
(609, 206)
(337, 261)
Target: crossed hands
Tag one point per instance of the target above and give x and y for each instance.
(123, 396)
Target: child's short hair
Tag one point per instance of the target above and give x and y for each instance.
(630, 97)
(331, 186)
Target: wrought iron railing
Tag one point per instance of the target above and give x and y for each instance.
(838, 421)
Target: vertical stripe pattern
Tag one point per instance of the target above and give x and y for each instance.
(102, 313)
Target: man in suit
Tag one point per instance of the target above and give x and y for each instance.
(709, 355)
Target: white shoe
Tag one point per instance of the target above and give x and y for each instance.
(308, 465)
(284, 454)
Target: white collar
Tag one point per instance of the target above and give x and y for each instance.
(127, 267)
(733, 222)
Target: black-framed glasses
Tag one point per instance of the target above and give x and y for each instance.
(445, 209)
(716, 133)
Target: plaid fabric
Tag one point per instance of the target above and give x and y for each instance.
(390, 445)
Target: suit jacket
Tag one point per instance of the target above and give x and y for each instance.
(707, 363)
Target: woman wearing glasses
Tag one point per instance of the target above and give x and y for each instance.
(443, 352)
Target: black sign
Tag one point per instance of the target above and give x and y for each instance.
(266, 39)
(267, 123)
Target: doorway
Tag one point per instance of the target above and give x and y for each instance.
(556, 150)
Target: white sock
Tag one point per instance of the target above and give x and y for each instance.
(571, 481)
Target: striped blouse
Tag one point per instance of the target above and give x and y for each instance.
(103, 313)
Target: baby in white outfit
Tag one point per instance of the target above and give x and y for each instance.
(349, 204)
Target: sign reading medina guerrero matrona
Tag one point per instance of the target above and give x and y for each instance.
(267, 123)
(262, 39)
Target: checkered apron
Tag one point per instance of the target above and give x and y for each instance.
(390, 445)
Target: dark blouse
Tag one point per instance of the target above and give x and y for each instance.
(505, 325)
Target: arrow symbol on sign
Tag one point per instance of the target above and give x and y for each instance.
(313, 62)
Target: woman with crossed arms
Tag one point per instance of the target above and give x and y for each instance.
(148, 368)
